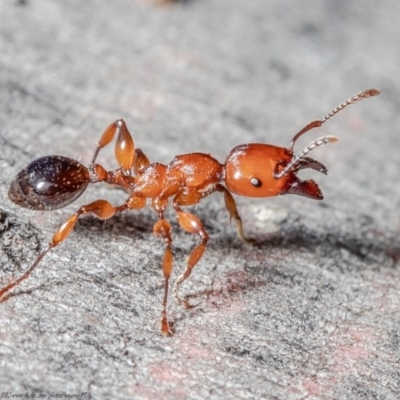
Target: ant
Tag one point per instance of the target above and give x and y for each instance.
(252, 170)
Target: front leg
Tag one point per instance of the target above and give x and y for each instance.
(230, 205)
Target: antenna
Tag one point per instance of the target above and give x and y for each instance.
(316, 124)
(313, 145)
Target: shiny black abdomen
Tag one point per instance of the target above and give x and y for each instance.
(49, 183)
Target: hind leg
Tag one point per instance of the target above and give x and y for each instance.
(100, 208)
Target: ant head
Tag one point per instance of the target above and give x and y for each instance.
(49, 183)
(261, 170)
(250, 169)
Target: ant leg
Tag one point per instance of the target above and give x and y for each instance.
(124, 147)
(162, 228)
(16, 282)
(141, 161)
(100, 208)
(230, 205)
(190, 223)
(118, 177)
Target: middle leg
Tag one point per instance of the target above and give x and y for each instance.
(190, 223)
(162, 228)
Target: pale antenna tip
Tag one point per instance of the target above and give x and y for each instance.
(331, 139)
(371, 92)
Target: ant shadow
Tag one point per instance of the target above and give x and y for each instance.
(369, 245)
(365, 250)
(342, 253)
(372, 248)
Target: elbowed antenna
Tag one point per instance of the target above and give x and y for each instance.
(316, 124)
(295, 160)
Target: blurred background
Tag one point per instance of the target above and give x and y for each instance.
(312, 312)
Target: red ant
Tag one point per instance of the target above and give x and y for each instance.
(253, 170)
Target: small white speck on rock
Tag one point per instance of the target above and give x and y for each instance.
(268, 218)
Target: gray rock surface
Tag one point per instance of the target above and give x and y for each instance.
(314, 310)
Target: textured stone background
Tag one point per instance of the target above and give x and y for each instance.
(314, 311)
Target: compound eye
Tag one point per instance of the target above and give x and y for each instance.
(255, 182)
